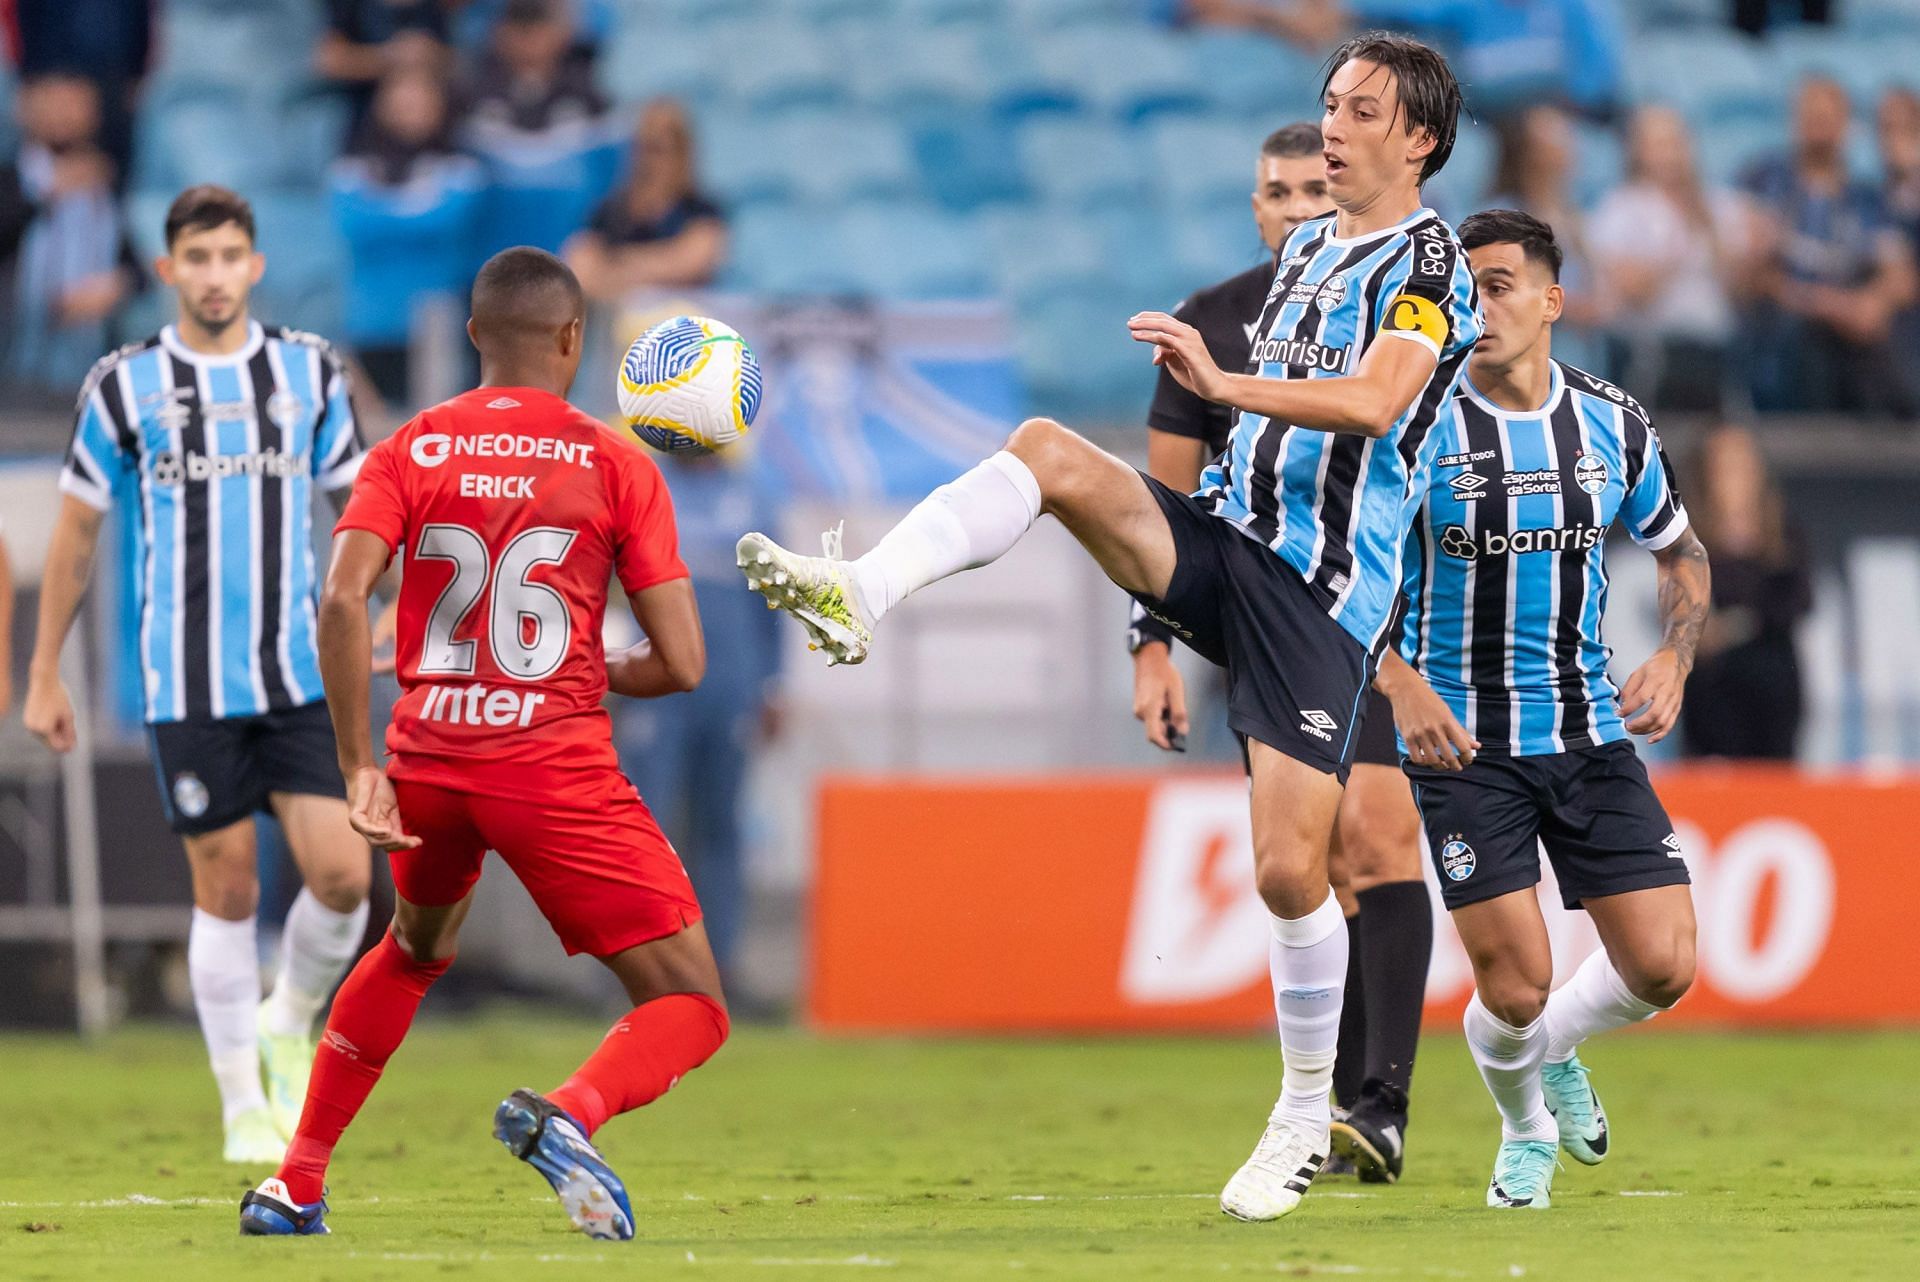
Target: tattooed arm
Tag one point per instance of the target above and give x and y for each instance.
(1651, 700)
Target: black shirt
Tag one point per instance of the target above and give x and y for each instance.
(617, 223)
(1226, 315)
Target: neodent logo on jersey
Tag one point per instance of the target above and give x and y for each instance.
(431, 449)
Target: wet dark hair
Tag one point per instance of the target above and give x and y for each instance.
(525, 292)
(205, 207)
(1429, 94)
(1300, 139)
(1512, 227)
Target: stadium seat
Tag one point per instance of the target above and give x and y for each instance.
(966, 160)
(1081, 163)
(843, 155)
(640, 62)
(1725, 150)
(1239, 72)
(1711, 74)
(739, 161)
(1128, 72)
(1036, 250)
(1600, 162)
(1880, 18)
(1204, 161)
(1076, 358)
(773, 66)
(790, 250)
(1464, 185)
(900, 69)
(911, 250)
(1208, 245)
(1042, 14)
(306, 262)
(206, 133)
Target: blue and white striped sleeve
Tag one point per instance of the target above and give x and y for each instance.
(337, 452)
(97, 457)
(1652, 509)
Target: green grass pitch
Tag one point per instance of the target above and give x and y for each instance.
(792, 1157)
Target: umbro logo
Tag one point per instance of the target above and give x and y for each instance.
(340, 1043)
(1672, 842)
(1318, 724)
(1468, 486)
(503, 403)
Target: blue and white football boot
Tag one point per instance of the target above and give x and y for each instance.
(270, 1211)
(1576, 1110)
(548, 1139)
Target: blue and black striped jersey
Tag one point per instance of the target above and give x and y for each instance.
(215, 457)
(1506, 573)
(1337, 507)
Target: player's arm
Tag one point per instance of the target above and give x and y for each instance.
(673, 658)
(1434, 736)
(76, 536)
(346, 670)
(1367, 402)
(1651, 700)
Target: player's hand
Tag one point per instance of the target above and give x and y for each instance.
(49, 714)
(374, 812)
(1651, 701)
(384, 628)
(1434, 736)
(1178, 346)
(1159, 695)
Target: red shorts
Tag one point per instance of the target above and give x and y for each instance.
(605, 879)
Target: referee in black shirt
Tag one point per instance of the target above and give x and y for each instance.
(1375, 864)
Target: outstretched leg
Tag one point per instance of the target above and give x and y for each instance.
(971, 522)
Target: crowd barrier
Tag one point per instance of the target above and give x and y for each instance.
(1125, 903)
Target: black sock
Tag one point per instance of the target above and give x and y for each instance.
(1395, 945)
(1350, 1054)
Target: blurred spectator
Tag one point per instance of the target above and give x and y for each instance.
(406, 201)
(71, 265)
(1534, 174)
(541, 128)
(1311, 24)
(1755, 16)
(1900, 164)
(593, 21)
(656, 229)
(367, 38)
(107, 41)
(689, 753)
(1835, 272)
(1671, 251)
(1511, 54)
(1744, 698)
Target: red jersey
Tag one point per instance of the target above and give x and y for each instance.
(516, 511)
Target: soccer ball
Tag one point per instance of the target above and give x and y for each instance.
(689, 384)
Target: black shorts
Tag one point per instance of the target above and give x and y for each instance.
(1294, 676)
(215, 773)
(1593, 809)
(1377, 745)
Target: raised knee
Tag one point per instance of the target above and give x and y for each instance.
(420, 944)
(1664, 980)
(1515, 999)
(340, 890)
(1285, 891)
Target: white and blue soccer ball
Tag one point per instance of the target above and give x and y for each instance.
(690, 384)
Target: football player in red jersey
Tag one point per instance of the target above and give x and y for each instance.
(514, 511)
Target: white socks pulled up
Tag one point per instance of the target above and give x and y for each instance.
(1509, 1061)
(1308, 961)
(964, 524)
(315, 949)
(224, 972)
(1593, 1001)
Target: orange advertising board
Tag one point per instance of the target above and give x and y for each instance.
(1125, 902)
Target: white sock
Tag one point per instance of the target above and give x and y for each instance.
(965, 523)
(1308, 960)
(1594, 1000)
(224, 973)
(1509, 1062)
(314, 952)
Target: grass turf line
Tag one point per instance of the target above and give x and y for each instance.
(787, 1157)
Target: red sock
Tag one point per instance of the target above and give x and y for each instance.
(652, 1047)
(370, 1016)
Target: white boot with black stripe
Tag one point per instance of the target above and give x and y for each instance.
(1276, 1177)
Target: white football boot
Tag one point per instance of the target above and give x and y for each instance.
(1276, 1177)
(817, 590)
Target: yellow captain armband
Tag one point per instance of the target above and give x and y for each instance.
(1414, 316)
